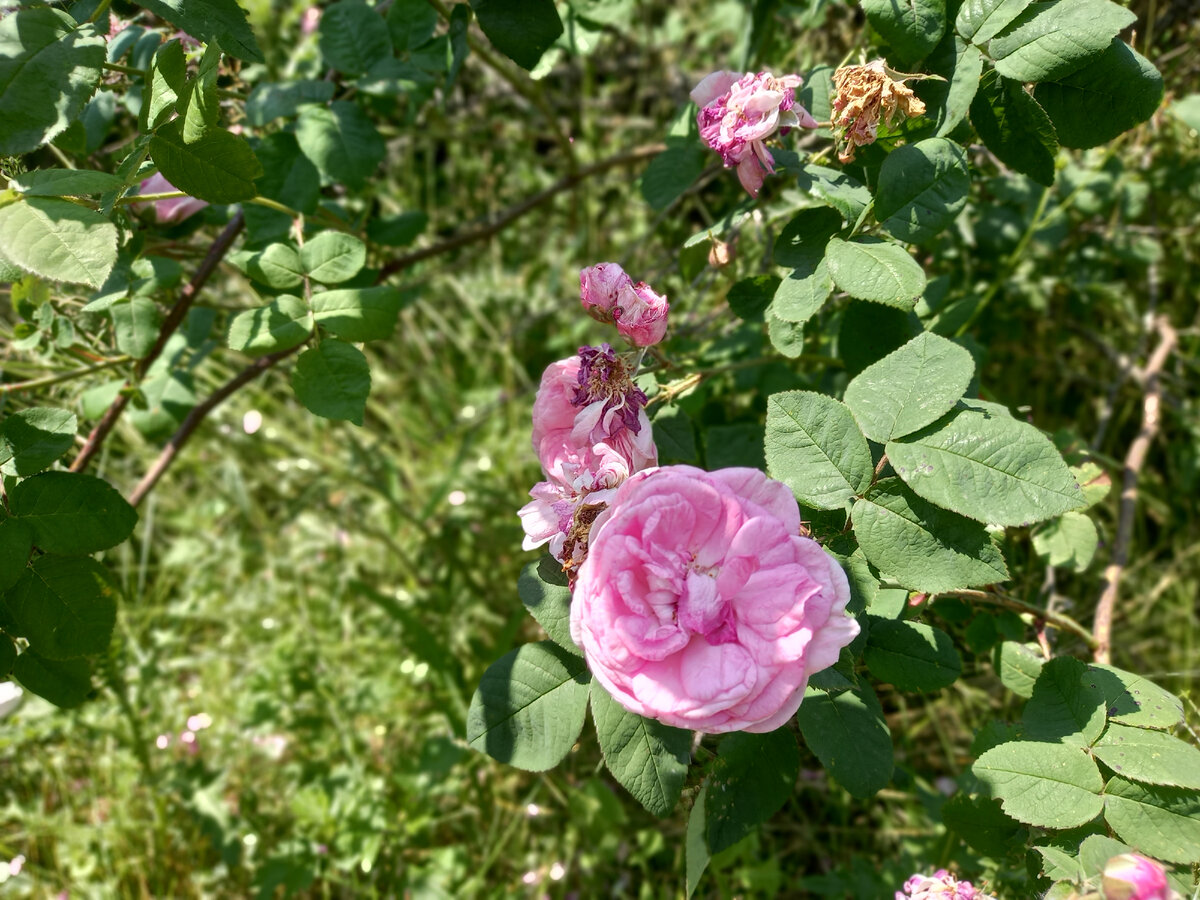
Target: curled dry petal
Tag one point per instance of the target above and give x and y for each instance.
(864, 95)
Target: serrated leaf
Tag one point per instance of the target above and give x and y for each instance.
(1018, 667)
(199, 105)
(31, 439)
(922, 188)
(1050, 40)
(65, 182)
(333, 380)
(947, 101)
(283, 323)
(1064, 706)
(1069, 540)
(1163, 822)
(786, 337)
(16, 541)
(848, 196)
(71, 514)
(164, 84)
(921, 546)
(850, 737)
(1134, 700)
(64, 682)
(801, 295)
(277, 266)
(1148, 756)
(530, 706)
(49, 68)
(801, 243)
(1058, 865)
(135, 325)
(58, 240)
(751, 779)
(982, 824)
(991, 468)
(218, 167)
(353, 37)
(875, 270)
(675, 436)
(341, 141)
(814, 447)
(520, 29)
(649, 759)
(1015, 127)
(980, 20)
(359, 314)
(913, 29)
(1048, 785)
(1096, 850)
(671, 173)
(222, 21)
(64, 606)
(333, 257)
(750, 297)
(542, 587)
(912, 656)
(270, 101)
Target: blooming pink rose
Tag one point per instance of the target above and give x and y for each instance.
(1132, 876)
(738, 114)
(941, 885)
(175, 210)
(700, 605)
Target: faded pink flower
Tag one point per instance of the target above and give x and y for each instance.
(174, 210)
(1132, 876)
(610, 295)
(941, 885)
(600, 289)
(310, 20)
(700, 605)
(737, 114)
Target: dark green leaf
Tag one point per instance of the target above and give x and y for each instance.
(801, 295)
(875, 270)
(280, 325)
(222, 21)
(219, 167)
(333, 380)
(922, 188)
(411, 23)
(199, 105)
(1015, 127)
(341, 141)
(31, 439)
(847, 732)
(64, 606)
(8, 654)
(913, 29)
(58, 240)
(982, 824)
(696, 855)
(16, 541)
(675, 436)
(671, 173)
(751, 779)
(912, 656)
(1064, 705)
(801, 243)
(543, 589)
(288, 177)
(269, 101)
(750, 297)
(814, 446)
(64, 682)
(399, 230)
(947, 102)
(71, 513)
(1054, 38)
(1048, 785)
(353, 37)
(1163, 822)
(520, 29)
(359, 314)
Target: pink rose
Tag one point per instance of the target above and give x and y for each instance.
(609, 295)
(738, 114)
(700, 605)
(600, 287)
(941, 885)
(174, 210)
(1132, 876)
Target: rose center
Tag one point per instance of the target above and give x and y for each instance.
(702, 610)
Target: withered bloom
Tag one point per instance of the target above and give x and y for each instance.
(865, 94)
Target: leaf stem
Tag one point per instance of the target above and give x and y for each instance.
(1059, 620)
(60, 377)
(125, 70)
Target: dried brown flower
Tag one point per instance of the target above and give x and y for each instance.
(865, 94)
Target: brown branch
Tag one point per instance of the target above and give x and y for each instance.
(1134, 460)
(196, 416)
(510, 215)
(187, 297)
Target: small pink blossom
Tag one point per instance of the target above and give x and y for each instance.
(738, 114)
(174, 210)
(600, 289)
(941, 885)
(1132, 876)
(700, 605)
(610, 295)
(310, 20)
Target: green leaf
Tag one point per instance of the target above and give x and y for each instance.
(801, 295)
(399, 230)
(801, 244)
(671, 173)
(1018, 667)
(359, 314)
(135, 325)
(71, 513)
(1058, 865)
(8, 655)
(222, 21)
(786, 337)
(219, 167)
(49, 68)
(982, 824)
(530, 706)
(1134, 700)
(353, 37)
(1015, 127)
(750, 297)
(1048, 785)
(815, 448)
(270, 101)
(341, 141)
(15, 543)
(875, 270)
(333, 380)
(912, 656)
(696, 855)
(1069, 540)
(64, 682)
(333, 257)
(981, 20)
(165, 83)
(1109, 95)
(850, 737)
(58, 240)
(288, 177)
(170, 396)
(675, 436)
(277, 266)
(1163, 822)
(283, 323)
(649, 759)
(520, 29)
(909, 388)
(751, 778)
(1064, 706)
(922, 188)
(1149, 756)
(988, 467)
(411, 23)
(947, 102)
(66, 182)
(1096, 850)
(31, 439)
(923, 547)
(65, 606)
(543, 589)
(848, 196)
(1052, 39)
(913, 29)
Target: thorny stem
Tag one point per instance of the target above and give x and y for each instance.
(1059, 620)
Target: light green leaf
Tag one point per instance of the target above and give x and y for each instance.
(277, 266)
(816, 449)
(913, 29)
(696, 855)
(31, 439)
(752, 777)
(912, 656)
(58, 240)
(341, 141)
(65, 606)
(1095, 852)
(1064, 705)
(64, 682)
(850, 737)
(1069, 540)
(848, 196)
(222, 21)
(1048, 785)
(65, 182)
(649, 759)
(875, 270)
(218, 167)
(170, 395)
(164, 84)
(359, 314)
(1054, 38)
(922, 188)
(333, 380)
(530, 706)
(1149, 756)
(135, 325)
(16, 541)
(1015, 127)
(333, 256)
(1058, 865)
(786, 337)
(543, 589)
(520, 29)
(923, 547)
(49, 68)
(199, 105)
(980, 20)
(283, 323)
(947, 102)
(1163, 822)
(1134, 700)
(353, 37)
(1018, 667)
(71, 513)
(270, 101)
(801, 295)
(987, 467)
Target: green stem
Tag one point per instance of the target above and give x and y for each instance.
(47, 380)
(278, 207)
(126, 70)
(101, 9)
(151, 198)
(1059, 620)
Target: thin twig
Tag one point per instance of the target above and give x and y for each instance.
(1061, 621)
(59, 377)
(187, 296)
(1134, 460)
(510, 215)
(196, 416)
